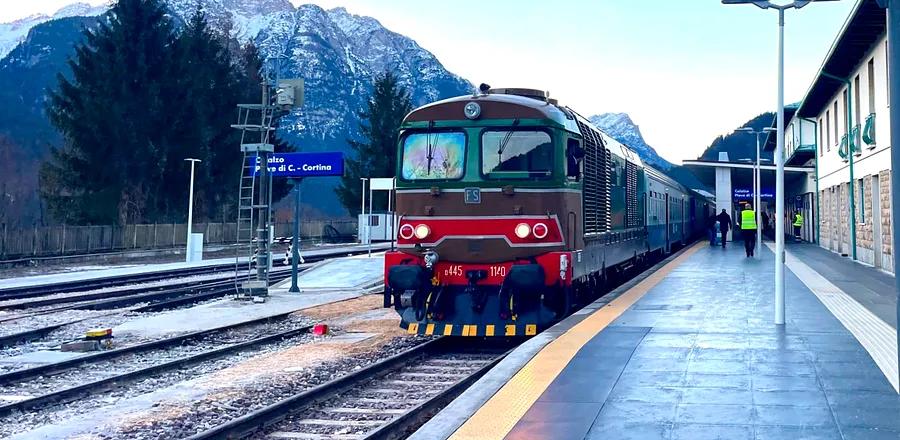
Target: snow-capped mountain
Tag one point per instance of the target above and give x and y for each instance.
(623, 129)
(13, 33)
(336, 52)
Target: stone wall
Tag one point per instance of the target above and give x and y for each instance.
(864, 223)
(825, 218)
(844, 217)
(884, 180)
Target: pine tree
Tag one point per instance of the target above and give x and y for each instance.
(211, 81)
(376, 155)
(115, 119)
(141, 100)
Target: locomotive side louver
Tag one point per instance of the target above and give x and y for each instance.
(595, 189)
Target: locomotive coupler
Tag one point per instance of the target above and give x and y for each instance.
(479, 296)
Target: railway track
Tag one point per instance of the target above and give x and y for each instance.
(25, 292)
(158, 301)
(105, 370)
(381, 401)
(94, 284)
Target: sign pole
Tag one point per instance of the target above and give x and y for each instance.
(295, 241)
(369, 222)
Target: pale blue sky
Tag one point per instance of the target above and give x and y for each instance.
(685, 70)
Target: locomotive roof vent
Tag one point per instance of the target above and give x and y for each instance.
(528, 93)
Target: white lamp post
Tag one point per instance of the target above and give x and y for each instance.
(362, 209)
(190, 219)
(779, 148)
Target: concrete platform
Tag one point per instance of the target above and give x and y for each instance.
(40, 357)
(329, 281)
(361, 273)
(690, 352)
(223, 313)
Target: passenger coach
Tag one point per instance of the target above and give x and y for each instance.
(514, 210)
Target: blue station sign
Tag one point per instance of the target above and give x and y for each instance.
(747, 194)
(304, 164)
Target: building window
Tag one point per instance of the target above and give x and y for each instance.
(846, 103)
(828, 130)
(871, 80)
(821, 138)
(861, 201)
(837, 138)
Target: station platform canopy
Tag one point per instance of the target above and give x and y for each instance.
(742, 174)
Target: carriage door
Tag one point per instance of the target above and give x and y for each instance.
(668, 227)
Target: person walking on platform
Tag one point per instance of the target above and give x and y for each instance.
(724, 226)
(798, 224)
(748, 229)
(765, 224)
(712, 229)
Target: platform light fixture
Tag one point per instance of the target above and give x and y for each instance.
(779, 148)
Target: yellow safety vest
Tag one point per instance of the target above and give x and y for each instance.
(748, 219)
(798, 220)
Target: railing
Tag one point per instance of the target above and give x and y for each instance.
(50, 241)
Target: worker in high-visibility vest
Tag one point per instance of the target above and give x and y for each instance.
(748, 229)
(798, 224)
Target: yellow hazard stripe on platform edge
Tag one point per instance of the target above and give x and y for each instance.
(499, 415)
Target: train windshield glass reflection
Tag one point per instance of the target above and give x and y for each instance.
(516, 154)
(434, 156)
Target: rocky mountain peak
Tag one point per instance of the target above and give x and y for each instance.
(623, 129)
(14, 32)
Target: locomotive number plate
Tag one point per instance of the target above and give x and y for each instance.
(473, 196)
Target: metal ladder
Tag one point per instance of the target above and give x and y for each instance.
(253, 255)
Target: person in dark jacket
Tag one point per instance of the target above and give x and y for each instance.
(765, 223)
(724, 225)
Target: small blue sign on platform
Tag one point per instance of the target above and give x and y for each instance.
(305, 164)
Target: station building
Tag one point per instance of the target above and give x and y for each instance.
(841, 129)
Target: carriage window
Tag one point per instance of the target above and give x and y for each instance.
(433, 156)
(516, 154)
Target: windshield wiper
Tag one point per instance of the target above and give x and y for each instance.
(429, 152)
(505, 141)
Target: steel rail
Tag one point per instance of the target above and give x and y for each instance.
(265, 417)
(119, 380)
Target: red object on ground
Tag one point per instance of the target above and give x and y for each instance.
(320, 329)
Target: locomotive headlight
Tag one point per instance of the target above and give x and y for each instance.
(472, 110)
(540, 230)
(407, 231)
(422, 231)
(523, 230)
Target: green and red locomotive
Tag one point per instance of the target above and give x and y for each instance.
(513, 211)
